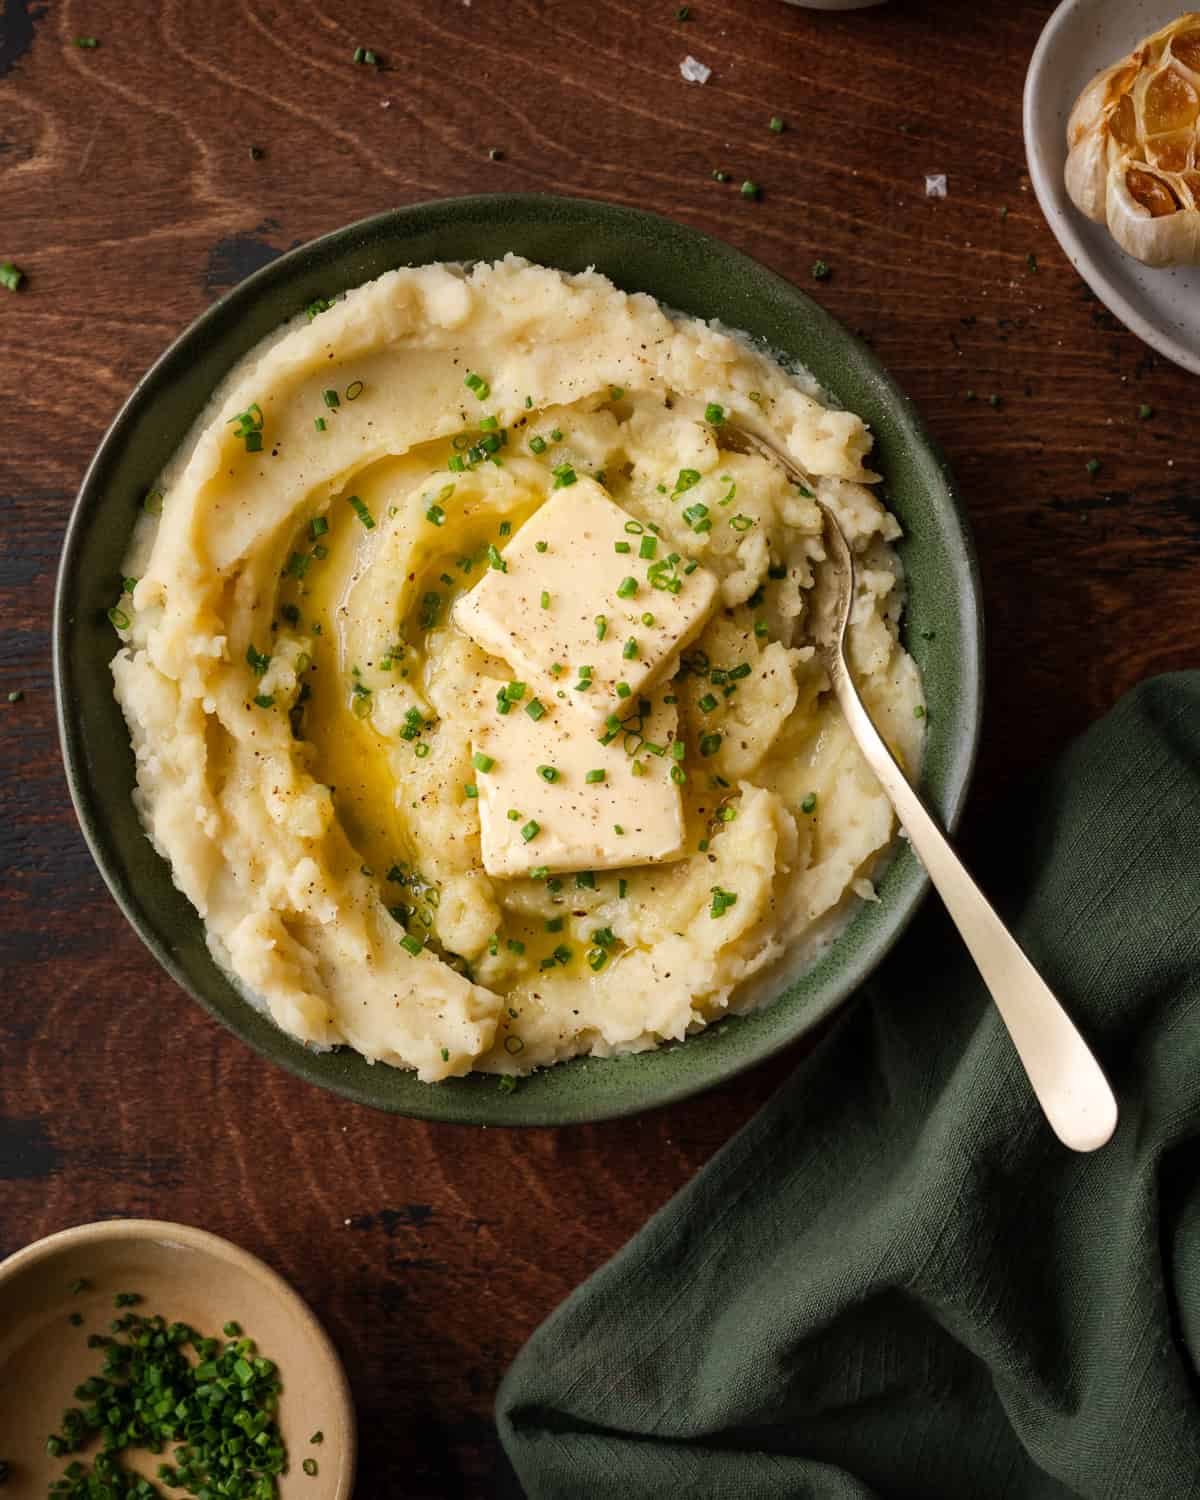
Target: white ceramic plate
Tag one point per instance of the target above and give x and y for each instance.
(1083, 36)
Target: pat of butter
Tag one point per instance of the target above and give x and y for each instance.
(570, 609)
(564, 821)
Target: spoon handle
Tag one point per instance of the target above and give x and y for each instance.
(1074, 1094)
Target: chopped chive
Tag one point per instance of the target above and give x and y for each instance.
(548, 773)
(623, 690)
(749, 189)
(648, 547)
(496, 560)
(471, 790)
(1145, 412)
(535, 708)
(541, 546)
(630, 649)
(86, 43)
(411, 944)
(556, 435)
(710, 744)
(622, 547)
(776, 124)
(531, 830)
(721, 901)
(331, 399)
(545, 600)
(564, 475)
(1093, 466)
(482, 762)
(11, 276)
(809, 803)
(265, 700)
(707, 703)
(919, 711)
(714, 414)
(118, 618)
(741, 523)
(489, 424)
(436, 514)
(354, 390)
(594, 777)
(537, 444)
(585, 880)
(360, 512)
(601, 627)
(627, 588)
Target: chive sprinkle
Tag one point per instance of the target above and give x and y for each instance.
(721, 901)
(11, 276)
(219, 1408)
(86, 43)
(548, 773)
(482, 762)
(627, 588)
(531, 830)
(331, 399)
(593, 778)
(750, 189)
(809, 804)
(361, 511)
(776, 124)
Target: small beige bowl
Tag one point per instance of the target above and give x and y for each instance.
(188, 1276)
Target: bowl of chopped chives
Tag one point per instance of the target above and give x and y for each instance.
(689, 275)
(144, 1359)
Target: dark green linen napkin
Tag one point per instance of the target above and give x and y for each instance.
(894, 1281)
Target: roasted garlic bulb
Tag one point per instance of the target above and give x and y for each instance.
(1134, 140)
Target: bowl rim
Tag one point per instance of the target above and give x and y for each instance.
(1065, 220)
(304, 1062)
(217, 1248)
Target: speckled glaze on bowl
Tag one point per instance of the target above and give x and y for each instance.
(639, 251)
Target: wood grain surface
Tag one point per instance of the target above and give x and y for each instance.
(129, 196)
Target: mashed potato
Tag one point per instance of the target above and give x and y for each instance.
(302, 704)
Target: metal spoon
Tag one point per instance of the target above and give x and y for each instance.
(1071, 1088)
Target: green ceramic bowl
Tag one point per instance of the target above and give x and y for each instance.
(686, 270)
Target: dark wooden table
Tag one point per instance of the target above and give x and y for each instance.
(130, 197)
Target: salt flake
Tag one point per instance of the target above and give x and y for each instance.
(935, 185)
(693, 71)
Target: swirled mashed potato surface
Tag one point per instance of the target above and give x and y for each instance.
(305, 709)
